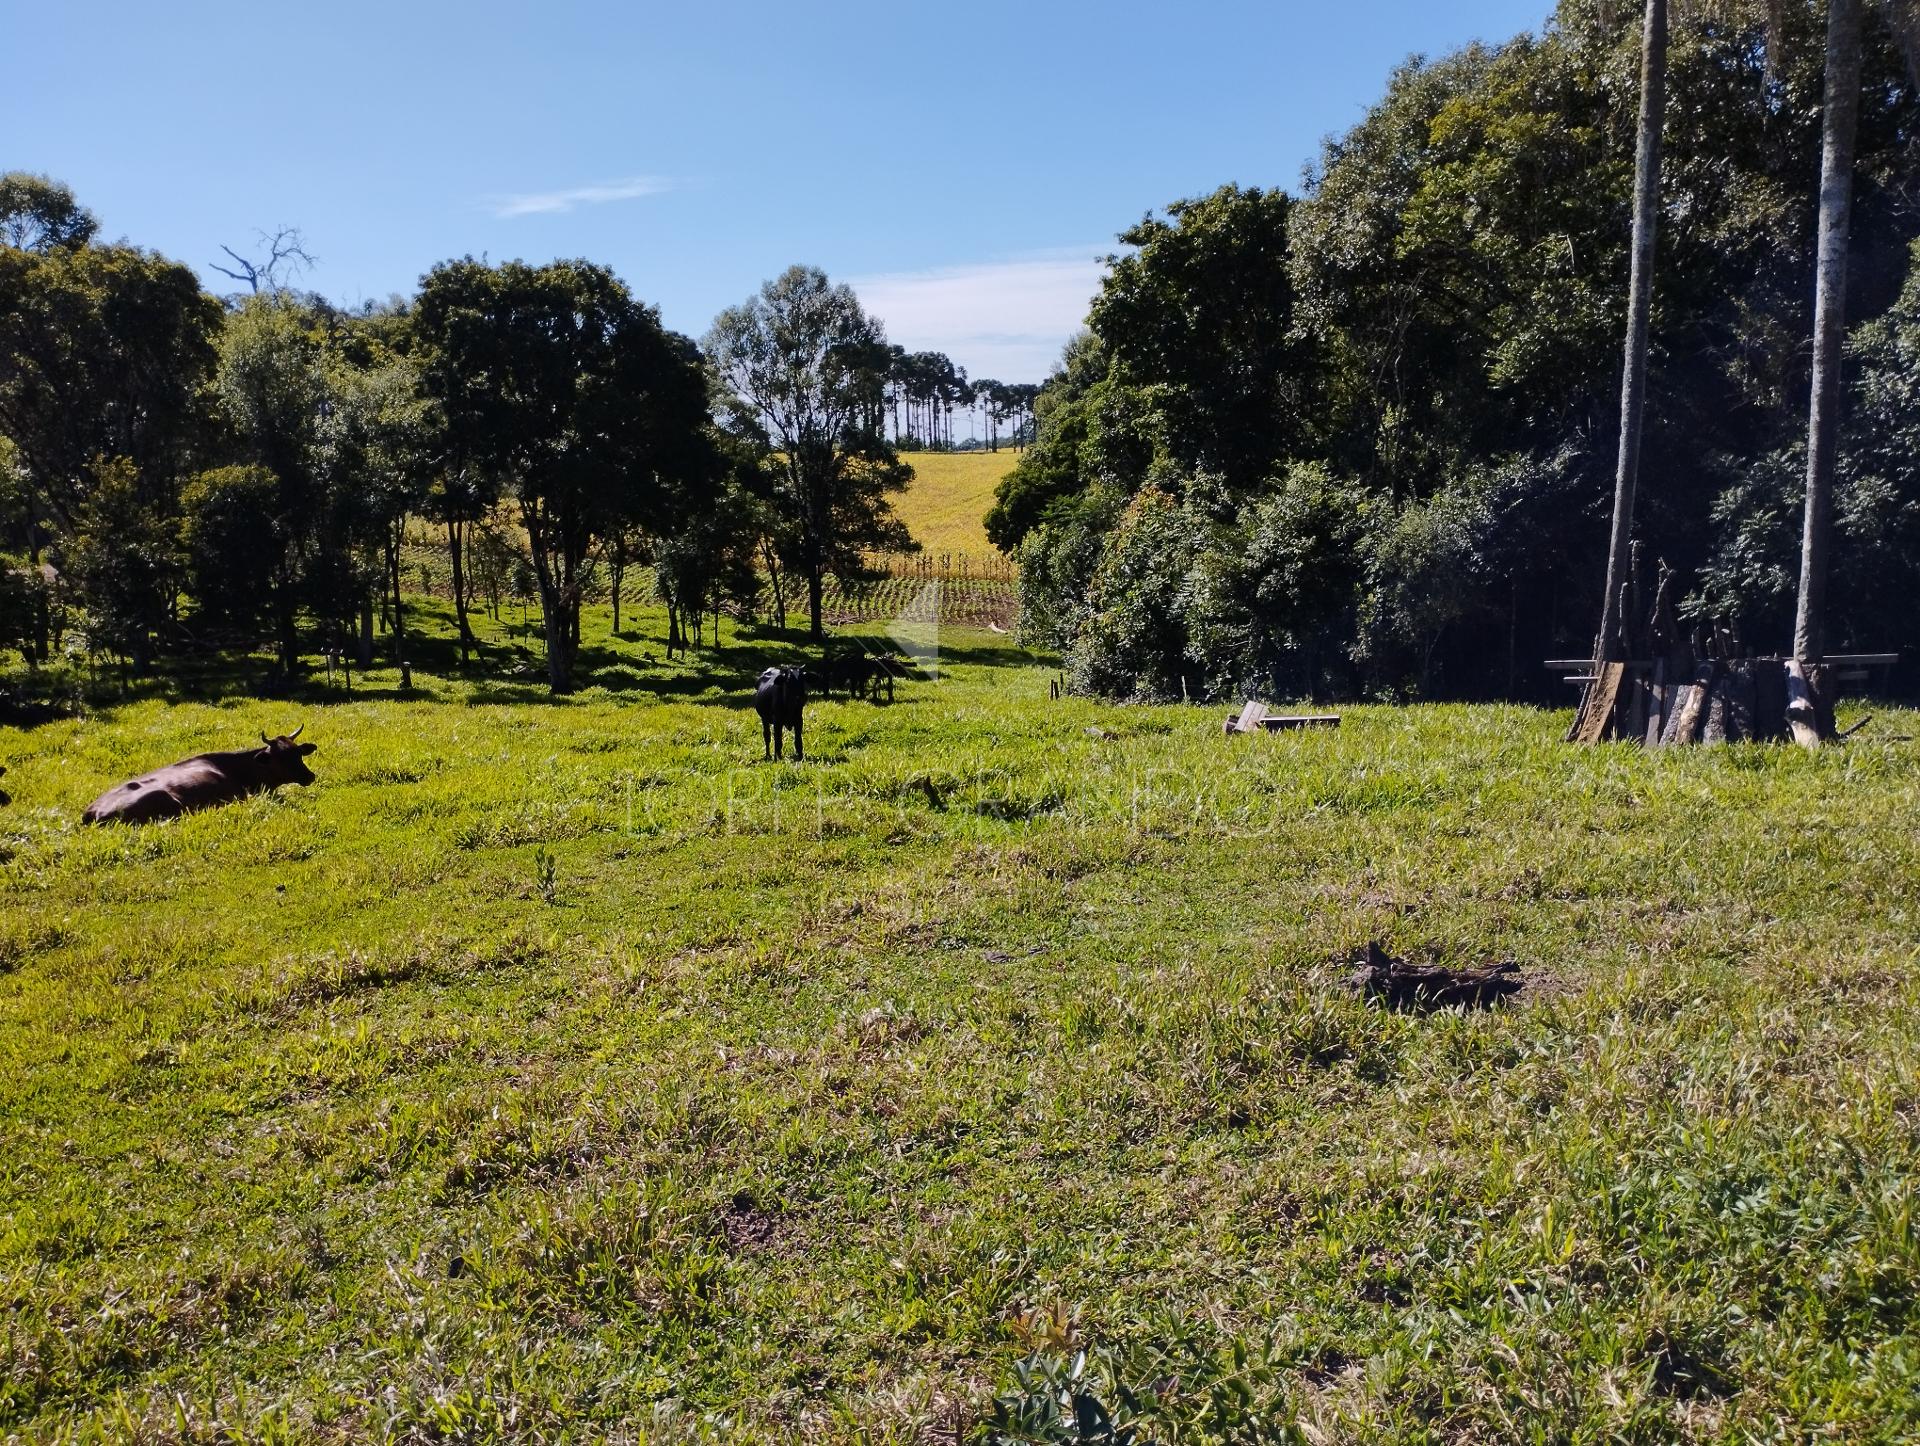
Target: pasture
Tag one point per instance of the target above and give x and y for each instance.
(559, 1070)
(945, 504)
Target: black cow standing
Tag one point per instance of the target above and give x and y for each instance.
(779, 698)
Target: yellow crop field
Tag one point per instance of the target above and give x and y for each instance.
(945, 506)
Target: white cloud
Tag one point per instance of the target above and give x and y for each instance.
(1003, 319)
(547, 203)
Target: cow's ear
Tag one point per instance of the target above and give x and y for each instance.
(305, 748)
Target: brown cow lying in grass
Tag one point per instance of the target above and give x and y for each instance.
(206, 781)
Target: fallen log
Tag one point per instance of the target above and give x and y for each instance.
(1422, 988)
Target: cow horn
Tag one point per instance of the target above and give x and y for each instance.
(263, 736)
(295, 734)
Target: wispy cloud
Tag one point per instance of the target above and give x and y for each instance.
(1005, 319)
(548, 203)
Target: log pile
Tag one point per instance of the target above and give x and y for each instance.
(1662, 687)
(1676, 699)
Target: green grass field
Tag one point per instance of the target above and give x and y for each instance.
(561, 1071)
(945, 507)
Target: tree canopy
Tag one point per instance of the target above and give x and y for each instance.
(571, 396)
(1434, 324)
(803, 366)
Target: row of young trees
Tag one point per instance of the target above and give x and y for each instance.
(186, 473)
(1366, 437)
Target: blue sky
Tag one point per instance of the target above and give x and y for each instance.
(963, 166)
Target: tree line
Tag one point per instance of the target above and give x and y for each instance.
(185, 474)
(1367, 438)
(924, 390)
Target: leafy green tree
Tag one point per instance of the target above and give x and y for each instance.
(1198, 318)
(1750, 579)
(383, 443)
(570, 396)
(803, 366)
(1288, 583)
(460, 498)
(125, 557)
(104, 353)
(1089, 432)
(705, 537)
(230, 553)
(1133, 642)
(38, 213)
(276, 388)
(1459, 271)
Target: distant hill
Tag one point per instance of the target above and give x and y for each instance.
(945, 507)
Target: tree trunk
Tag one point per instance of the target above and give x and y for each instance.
(363, 652)
(399, 613)
(284, 619)
(558, 635)
(1829, 320)
(815, 597)
(42, 602)
(1633, 377)
(618, 566)
(459, 590)
(776, 582)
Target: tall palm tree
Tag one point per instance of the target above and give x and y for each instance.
(1839, 119)
(1633, 375)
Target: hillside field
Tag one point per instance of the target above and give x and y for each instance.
(562, 1071)
(945, 506)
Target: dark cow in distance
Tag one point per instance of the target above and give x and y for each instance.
(779, 698)
(860, 674)
(205, 781)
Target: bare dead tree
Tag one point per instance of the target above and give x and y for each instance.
(286, 255)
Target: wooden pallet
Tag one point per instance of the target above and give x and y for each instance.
(1256, 717)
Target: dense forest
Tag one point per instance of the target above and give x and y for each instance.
(1363, 439)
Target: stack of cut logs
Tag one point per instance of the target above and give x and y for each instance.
(1661, 688)
(1681, 699)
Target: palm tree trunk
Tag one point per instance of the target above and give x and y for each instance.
(1842, 112)
(1633, 376)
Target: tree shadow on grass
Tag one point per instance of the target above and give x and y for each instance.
(506, 665)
